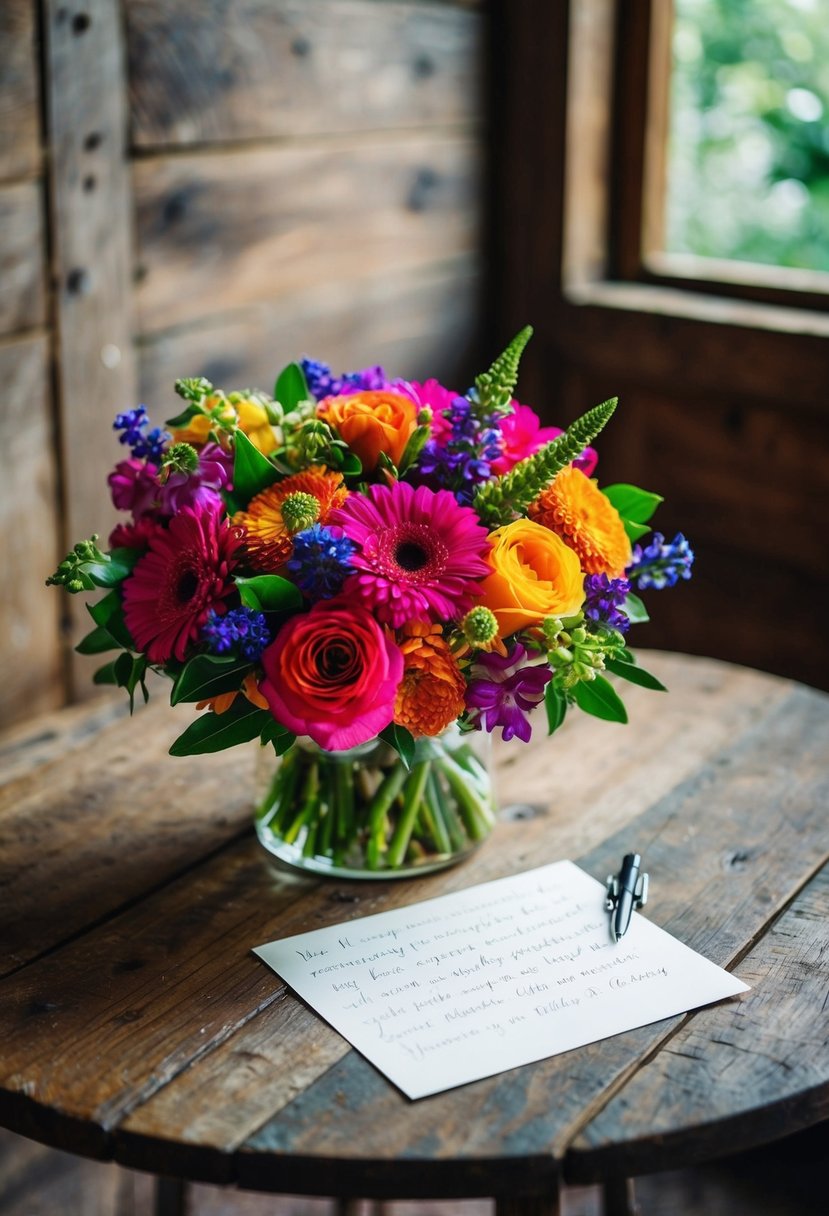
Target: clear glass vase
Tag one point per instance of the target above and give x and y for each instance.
(362, 814)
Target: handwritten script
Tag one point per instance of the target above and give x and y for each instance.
(468, 985)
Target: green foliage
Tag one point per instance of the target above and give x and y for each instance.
(87, 567)
(208, 675)
(749, 154)
(108, 614)
(402, 741)
(269, 593)
(556, 706)
(634, 674)
(599, 698)
(291, 387)
(127, 671)
(252, 472)
(496, 387)
(635, 610)
(215, 732)
(504, 498)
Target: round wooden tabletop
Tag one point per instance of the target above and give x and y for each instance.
(135, 1023)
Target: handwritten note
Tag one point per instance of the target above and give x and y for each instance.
(470, 984)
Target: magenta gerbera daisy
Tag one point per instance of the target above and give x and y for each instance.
(419, 553)
(184, 574)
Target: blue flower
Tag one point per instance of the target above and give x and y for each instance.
(659, 564)
(242, 631)
(604, 601)
(320, 562)
(145, 445)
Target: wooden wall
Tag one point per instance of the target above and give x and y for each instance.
(212, 189)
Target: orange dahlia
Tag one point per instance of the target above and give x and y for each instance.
(268, 538)
(431, 693)
(575, 509)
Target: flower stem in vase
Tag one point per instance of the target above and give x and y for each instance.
(387, 791)
(476, 815)
(412, 795)
(435, 808)
(310, 801)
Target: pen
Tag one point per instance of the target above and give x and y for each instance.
(625, 892)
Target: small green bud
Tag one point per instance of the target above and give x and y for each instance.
(275, 413)
(194, 388)
(425, 415)
(180, 458)
(299, 511)
(479, 626)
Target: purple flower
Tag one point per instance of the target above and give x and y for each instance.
(134, 487)
(145, 445)
(503, 689)
(659, 564)
(322, 383)
(243, 630)
(460, 454)
(604, 600)
(202, 488)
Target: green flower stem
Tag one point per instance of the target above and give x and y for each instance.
(412, 795)
(440, 832)
(310, 799)
(466, 758)
(387, 791)
(278, 802)
(326, 847)
(344, 795)
(309, 848)
(477, 816)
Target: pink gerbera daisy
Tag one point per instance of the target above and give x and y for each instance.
(419, 553)
(184, 574)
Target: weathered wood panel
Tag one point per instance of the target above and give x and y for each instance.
(22, 250)
(19, 110)
(729, 1075)
(417, 324)
(91, 227)
(29, 618)
(220, 231)
(254, 69)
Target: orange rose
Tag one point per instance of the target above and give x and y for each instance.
(371, 422)
(534, 574)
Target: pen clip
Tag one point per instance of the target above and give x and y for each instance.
(640, 892)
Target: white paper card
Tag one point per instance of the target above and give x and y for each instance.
(470, 984)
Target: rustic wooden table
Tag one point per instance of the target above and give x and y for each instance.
(135, 1024)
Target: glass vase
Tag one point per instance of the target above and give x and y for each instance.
(363, 814)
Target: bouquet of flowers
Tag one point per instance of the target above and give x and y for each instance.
(367, 574)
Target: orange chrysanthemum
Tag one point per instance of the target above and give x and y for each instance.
(268, 538)
(575, 509)
(431, 694)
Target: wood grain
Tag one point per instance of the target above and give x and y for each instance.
(295, 68)
(107, 823)
(219, 231)
(22, 294)
(413, 322)
(722, 875)
(19, 85)
(29, 636)
(91, 230)
(737, 1072)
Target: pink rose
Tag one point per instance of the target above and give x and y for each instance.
(524, 435)
(332, 674)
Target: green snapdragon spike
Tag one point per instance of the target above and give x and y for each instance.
(505, 498)
(496, 387)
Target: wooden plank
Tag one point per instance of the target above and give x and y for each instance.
(214, 1105)
(22, 295)
(219, 231)
(736, 1074)
(19, 85)
(418, 323)
(296, 68)
(30, 648)
(718, 877)
(91, 229)
(108, 823)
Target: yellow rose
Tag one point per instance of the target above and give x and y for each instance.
(249, 416)
(372, 422)
(534, 574)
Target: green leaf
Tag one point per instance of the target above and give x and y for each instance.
(129, 671)
(277, 734)
(633, 504)
(108, 613)
(98, 642)
(269, 593)
(252, 472)
(208, 675)
(635, 609)
(600, 698)
(635, 531)
(291, 387)
(636, 675)
(402, 742)
(214, 732)
(180, 421)
(351, 465)
(105, 674)
(556, 704)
